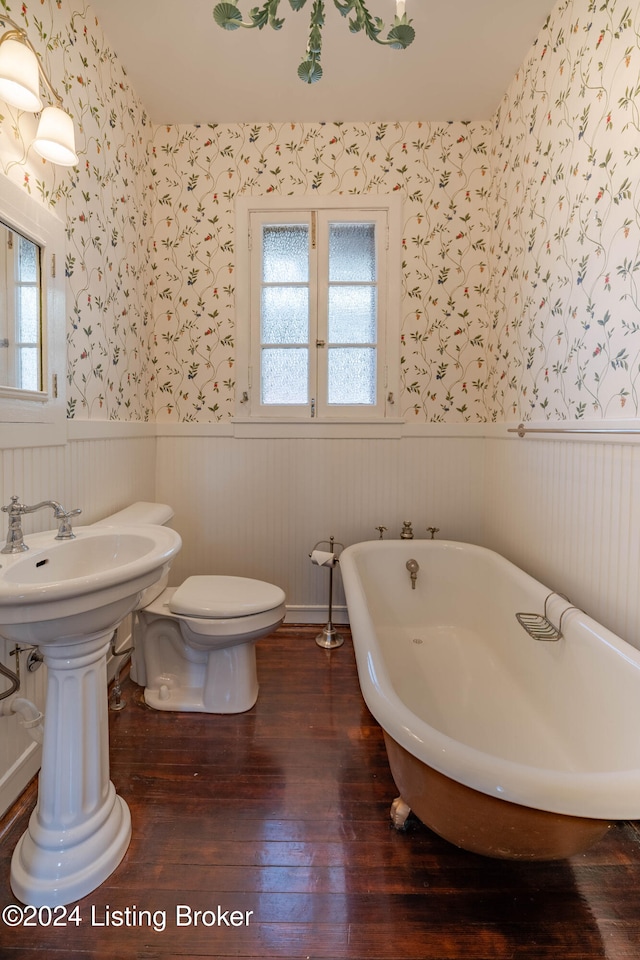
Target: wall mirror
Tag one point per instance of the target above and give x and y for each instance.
(32, 320)
(20, 312)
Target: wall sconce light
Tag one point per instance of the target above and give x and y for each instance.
(20, 74)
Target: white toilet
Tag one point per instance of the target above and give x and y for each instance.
(195, 644)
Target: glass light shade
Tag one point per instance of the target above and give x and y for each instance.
(55, 138)
(19, 76)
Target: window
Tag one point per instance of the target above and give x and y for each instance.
(19, 312)
(322, 332)
(32, 322)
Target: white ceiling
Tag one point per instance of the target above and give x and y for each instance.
(186, 69)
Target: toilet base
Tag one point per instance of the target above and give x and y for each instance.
(223, 681)
(201, 664)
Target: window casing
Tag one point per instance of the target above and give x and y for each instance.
(318, 309)
(34, 417)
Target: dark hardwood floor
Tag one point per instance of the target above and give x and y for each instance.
(275, 823)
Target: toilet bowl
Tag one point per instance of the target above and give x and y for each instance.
(194, 645)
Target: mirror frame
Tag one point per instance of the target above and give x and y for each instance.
(29, 417)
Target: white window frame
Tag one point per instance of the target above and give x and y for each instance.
(38, 417)
(386, 209)
(12, 308)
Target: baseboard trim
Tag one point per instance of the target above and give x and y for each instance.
(301, 614)
(19, 775)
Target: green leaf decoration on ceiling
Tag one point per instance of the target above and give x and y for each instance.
(227, 15)
(400, 36)
(310, 71)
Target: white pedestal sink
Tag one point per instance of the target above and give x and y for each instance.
(68, 597)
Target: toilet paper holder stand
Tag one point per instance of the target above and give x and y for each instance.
(329, 639)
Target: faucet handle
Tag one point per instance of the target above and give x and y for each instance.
(381, 531)
(15, 540)
(60, 512)
(433, 531)
(63, 517)
(14, 508)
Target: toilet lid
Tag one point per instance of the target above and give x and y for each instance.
(219, 597)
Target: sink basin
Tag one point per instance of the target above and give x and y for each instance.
(61, 589)
(67, 597)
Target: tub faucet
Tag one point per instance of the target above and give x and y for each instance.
(412, 567)
(15, 541)
(407, 532)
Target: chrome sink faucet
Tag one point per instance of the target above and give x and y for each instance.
(15, 541)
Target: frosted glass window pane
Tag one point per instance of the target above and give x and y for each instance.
(285, 376)
(352, 251)
(352, 314)
(352, 375)
(285, 253)
(27, 261)
(285, 315)
(28, 315)
(29, 375)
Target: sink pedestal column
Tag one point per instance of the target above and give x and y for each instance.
(80, 829)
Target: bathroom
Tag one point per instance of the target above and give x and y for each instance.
(520, 257)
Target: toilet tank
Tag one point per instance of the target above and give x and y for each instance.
(142, 511)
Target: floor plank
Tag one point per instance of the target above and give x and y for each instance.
(282, 815)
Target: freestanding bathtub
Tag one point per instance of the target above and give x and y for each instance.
(505, 745)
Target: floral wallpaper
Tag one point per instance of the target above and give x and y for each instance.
(565, 209)
(442, 172)
(520, 243)
(103, 202)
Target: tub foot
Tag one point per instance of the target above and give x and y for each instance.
(399, 813)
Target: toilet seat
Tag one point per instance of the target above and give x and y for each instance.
(222, 598)
(249, 619)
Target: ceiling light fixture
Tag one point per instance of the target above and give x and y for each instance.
(401, 34)
(20, 74)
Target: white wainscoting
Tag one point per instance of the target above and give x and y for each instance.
(564, 509)
(99, 475)
(256, 507)
(568, 512)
